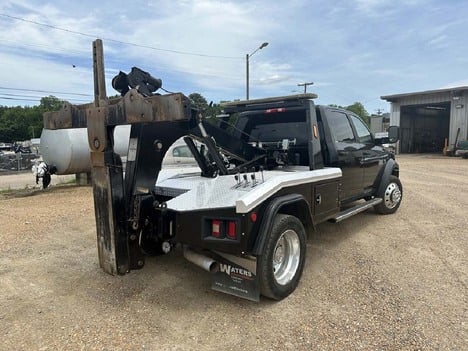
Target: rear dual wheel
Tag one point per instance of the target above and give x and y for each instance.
(280, 267)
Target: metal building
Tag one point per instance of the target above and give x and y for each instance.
(430, 119)
(379, 123)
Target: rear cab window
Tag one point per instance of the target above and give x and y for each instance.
(275, 129)
(272, 126)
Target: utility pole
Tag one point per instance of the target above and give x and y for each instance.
(379, 111)
(305, 84)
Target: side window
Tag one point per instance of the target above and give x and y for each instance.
(363, 134)
(340, 127)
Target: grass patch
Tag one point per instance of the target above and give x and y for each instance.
(32, 191)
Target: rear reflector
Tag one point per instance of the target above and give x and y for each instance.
(253, 217)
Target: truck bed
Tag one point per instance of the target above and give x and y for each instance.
(191, 192)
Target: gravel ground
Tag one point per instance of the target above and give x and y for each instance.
(372, 282)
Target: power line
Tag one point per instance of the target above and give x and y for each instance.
(35, 98)
(15, 45)
(17, 99)
(7, 96)
(45, 91)
(21, 96)
(38, 99)
(118, 61)
(76, 52)
(118, 41)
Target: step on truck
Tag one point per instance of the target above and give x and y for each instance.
(270, 170)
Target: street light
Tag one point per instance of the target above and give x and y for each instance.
(247, 56)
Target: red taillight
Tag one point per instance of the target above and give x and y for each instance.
(275, 110)
(231, 230)
(223, 229)
(216, 228)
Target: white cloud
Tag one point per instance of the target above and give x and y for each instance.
(354, 51)
(456, 84)
(384, 8)
(439, 42)
(36, 73)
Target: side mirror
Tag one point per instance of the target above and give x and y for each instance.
(393, 134)
(381, 138)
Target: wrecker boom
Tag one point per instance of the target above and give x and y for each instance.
(157, 121)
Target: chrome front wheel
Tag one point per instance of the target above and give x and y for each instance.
(391, 196)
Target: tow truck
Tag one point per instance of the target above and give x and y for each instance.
(270, 170)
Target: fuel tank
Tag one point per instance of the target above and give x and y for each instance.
(68, 149)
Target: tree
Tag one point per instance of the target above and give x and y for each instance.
(14, 124)
(50, 103)
(198, 101)
(359, 109)
(23, 123)
(208, 110)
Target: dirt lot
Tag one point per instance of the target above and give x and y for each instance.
(373, 282)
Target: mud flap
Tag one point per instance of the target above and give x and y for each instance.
(236, 276)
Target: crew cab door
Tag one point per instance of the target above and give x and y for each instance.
(372, 157)
(342, 150)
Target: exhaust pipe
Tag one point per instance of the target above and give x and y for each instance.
(207, 263)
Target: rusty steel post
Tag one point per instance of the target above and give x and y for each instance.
(157, 121)
(107, 178)
(100, 95)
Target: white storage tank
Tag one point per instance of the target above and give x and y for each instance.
(68, 149)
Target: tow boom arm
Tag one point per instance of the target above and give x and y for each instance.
(157, 121)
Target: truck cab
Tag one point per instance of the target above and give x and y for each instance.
(348, 144)
(315, 136)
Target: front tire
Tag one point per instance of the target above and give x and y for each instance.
(281, 264)
(391, 196)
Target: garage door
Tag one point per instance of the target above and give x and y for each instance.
(424, 127)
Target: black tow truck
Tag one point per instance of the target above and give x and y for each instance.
(270, 170)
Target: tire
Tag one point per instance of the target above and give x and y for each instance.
(281, 264)
(391, 195)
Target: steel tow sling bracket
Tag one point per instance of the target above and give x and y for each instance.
(117, 199)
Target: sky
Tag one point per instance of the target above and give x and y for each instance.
(352, 50)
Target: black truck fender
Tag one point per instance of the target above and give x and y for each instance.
(292, 204)
(391, 168)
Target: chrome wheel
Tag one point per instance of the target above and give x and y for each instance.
(392, 196)
(280, 266)
(286, 257)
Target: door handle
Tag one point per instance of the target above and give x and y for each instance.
(318, 199)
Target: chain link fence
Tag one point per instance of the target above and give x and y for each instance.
(10, 162)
